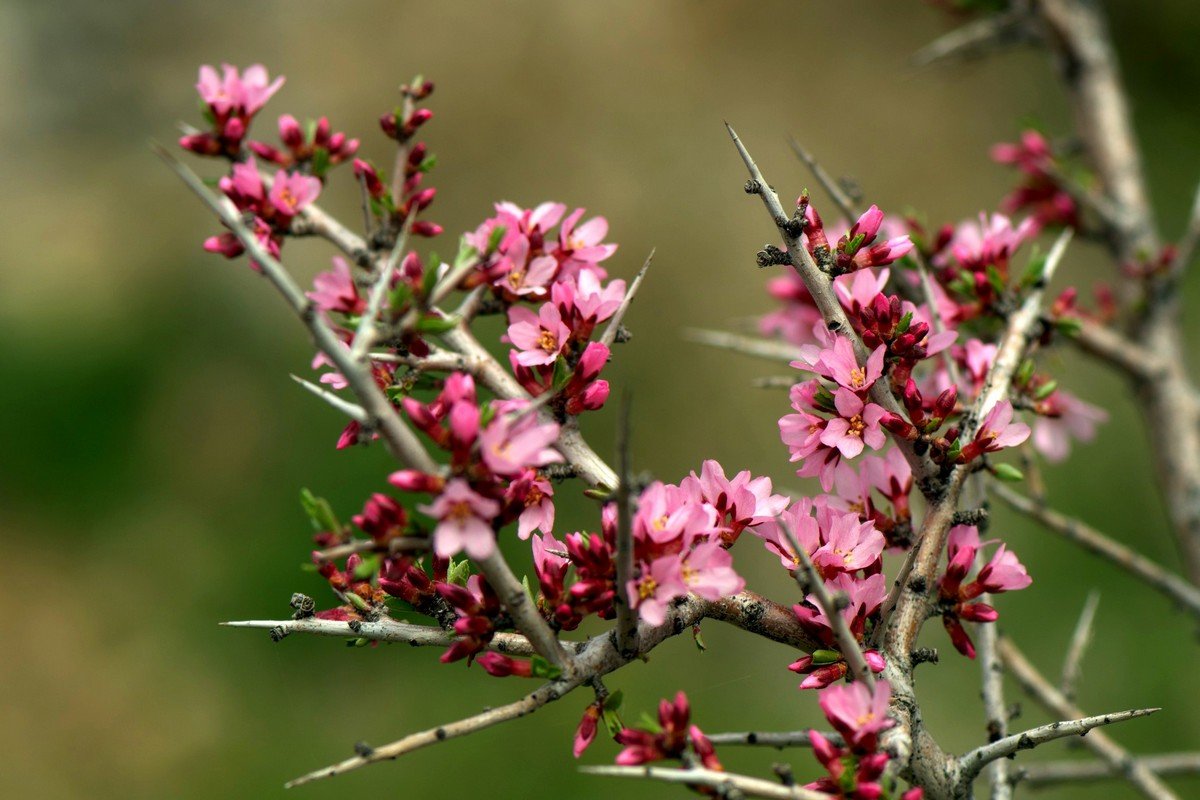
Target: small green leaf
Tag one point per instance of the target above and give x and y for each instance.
(435, 324)
(826, 656)
(544, 669)
(904, 324)
(458, 572)
(1045, 390)
(367, 567)
(1068, 326)
(1035, 271)
(320, 162)
(320, 512)
(428, 163)
(1008, 473)
(649, 723)
(614, 700)
(612, 721)
(357, 601)
(995, 279)
(562, 375)
(496, 237)
(1024, 372)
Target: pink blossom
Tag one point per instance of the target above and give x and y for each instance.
(707, 571)
(1003, 573)
(991, 242)
(464, 521)
(666, 513)
(514, 441)
(851, 545)
(1061, 417)
(839, 364)
(520, 275)
(858, 289)
(999, 431)
(584, 299)
(244, 186)
(540, 337)
(739, 502)
(539, 508)
(582, 246)
(336, 291)
(291, 192)
(858, 713)
(245, 93)
(661, 582)
(857, 425)
(797, 519)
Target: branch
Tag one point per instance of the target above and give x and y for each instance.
(778, 740)
(626, 616)
(721, 781)
(351, 410)
(995, 711)
(518, 603)
(1050, 773)
(769, 349)
(1080, 639)
(821, 289)
(812, 582)
(1098, 742)
(389, 630)
(836, 193)
(974, 761)
(364, 337)
(1176, 588)
(977, 38)
(614, 324)
(400, 441)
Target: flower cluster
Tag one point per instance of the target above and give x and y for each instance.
(673, 738)
(1040, 193)
(856, 768)
(1002, 573)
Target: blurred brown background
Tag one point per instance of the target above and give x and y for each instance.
(154, 446)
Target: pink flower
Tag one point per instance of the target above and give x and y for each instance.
(991, 242)
(540, 338)
(838, 363)
(291, 192)
(539, 508)
(799, 520)
(585, 734)
(464, 521)
(998, 431)
(857, 713)
(666, 513)
(857, 290)
(514, 441)
(244, 186)
(660, 583)
(581, 245)
(335, 290)
(707, 571)
(852, 545)
(520, 275)
(857, 425)
(1003, 573)
(245, 93)
(256, 88)
(1061, 417)
(583, 299)
(739, 502)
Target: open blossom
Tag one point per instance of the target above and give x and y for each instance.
(523, 276)
(535, 493)
(856, 426)
(990, 242)
(336, 291)
(1062, 417)
(464, 521)
(998, 431)
(581, 246)
(541, 337)
(515, 440)
(660, 583)
(838, 363)
(851, 545)
(230, 92)
(291, 192)
(740, 502)
(858, 713)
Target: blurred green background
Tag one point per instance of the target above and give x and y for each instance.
(155, 446)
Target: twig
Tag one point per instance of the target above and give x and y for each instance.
(1080, 639)
(769, 349)
(836, 193)
(626, 617)
(364, 337)
(614, 324)
(1050, 773)
(995, 711)
(517, 602)
(1173, 586)
(971, 763)
(1185, 253)
(697, 776)
(812, 582)
(399, 544)
(351, 410)
(976, 39)
(778, 740)
(390, 630)
(401, 441)
(1098, 742)
(819, 286)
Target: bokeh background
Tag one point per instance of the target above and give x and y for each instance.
(154, 446)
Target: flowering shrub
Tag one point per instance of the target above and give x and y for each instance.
(917, 375)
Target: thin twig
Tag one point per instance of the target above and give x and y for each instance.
(995, 710)
(626, 617)
(769, 349)
(614, 324)
(1173, 586)
(811, 582)
(1052, 773)
(836, 193)
(697, 776)
(1080, 639)
(777, 739)
(401, 441)
(399, 544)
(1098, 742)
(971, 763)
(351, 410)
(517, 602)
(364, 337)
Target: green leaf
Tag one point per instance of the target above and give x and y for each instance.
(612, 721)
(905, 323)
(826, 656)
(367, 567)
(562, 375)
(544, 669)
(1024, 372)
(320, 162)
(995, 279)
(434, 324)
(1008, 473)
(496, 237)
(320, 512)
(1035, 271)
(614, 700)
(458, 572)
(428, 163)
(1068, 326)
(649, 723)
(1045, 390)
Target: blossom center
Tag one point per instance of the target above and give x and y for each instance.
(856, 426)
(858, 378)
(548, 342)
(459, 511)
(515, 278)
(647, 588)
